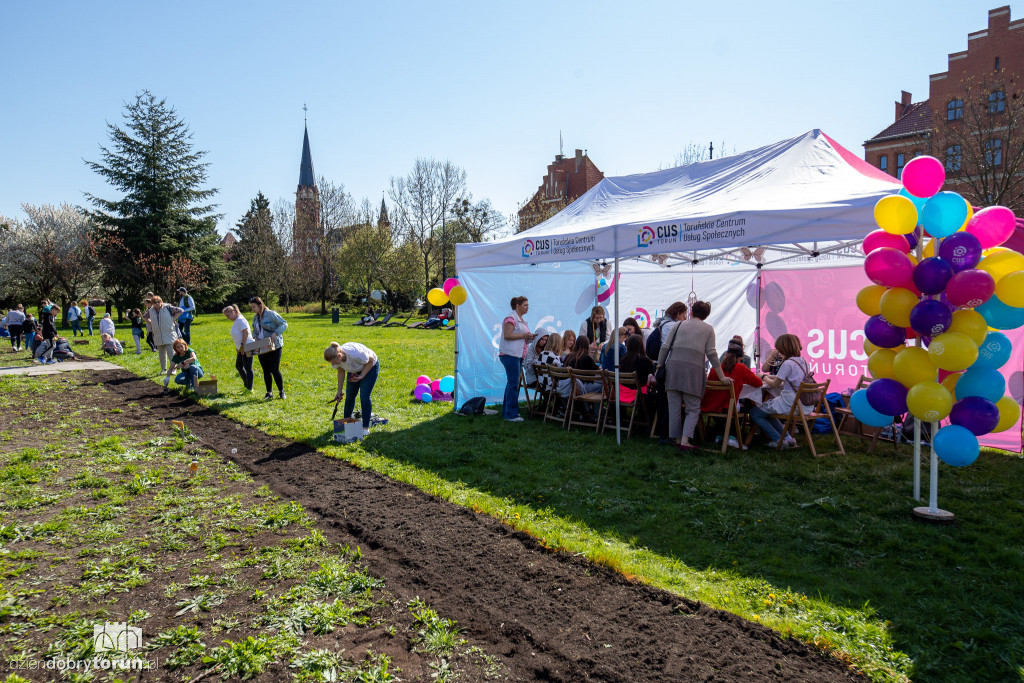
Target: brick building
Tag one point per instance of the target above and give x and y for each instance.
(565, 182)
(972, 119)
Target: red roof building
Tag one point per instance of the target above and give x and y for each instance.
(970, 117)
(565, 182)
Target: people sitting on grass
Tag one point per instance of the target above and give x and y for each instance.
(185, 359)
(109, 345)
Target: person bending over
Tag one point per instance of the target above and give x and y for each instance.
(357, 367)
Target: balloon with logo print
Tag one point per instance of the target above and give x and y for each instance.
(930, 317)
(970, 288)
(883, 334)
(977, 414)
(953, 351)
(994, 352)
(956, 446)
(961, 251)
(929, 401)
(932, 275)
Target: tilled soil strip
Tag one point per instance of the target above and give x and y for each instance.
(552, 616)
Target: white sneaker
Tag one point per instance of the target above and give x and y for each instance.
(789, 442)
(366, 433)
(733, 443)
(514, 419)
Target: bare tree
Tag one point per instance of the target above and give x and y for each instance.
(337, 214)
(423, 200)
(694, 152)
(288, 269)
(981, 138)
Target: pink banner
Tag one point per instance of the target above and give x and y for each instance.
(819, 306)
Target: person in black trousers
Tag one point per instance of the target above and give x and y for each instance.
(240, 334)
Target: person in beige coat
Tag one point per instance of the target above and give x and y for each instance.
(682, 355)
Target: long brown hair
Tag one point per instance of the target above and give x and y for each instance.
(729, 360)
(554, 344)
(579, 349)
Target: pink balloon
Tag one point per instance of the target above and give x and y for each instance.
(448, 284)
(889, 267)
(992, 226)
(881, 238)
(970, 288)
(923, 176)
(423, 379)
(435, 386)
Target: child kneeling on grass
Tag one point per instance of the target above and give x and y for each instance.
(111, 346)
(184, 357)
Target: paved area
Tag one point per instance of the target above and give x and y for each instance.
(57, 368)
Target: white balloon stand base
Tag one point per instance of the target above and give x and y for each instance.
(934, 515)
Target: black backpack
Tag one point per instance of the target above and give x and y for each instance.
(474, 406)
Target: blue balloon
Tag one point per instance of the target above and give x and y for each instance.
(427, 397)
(994, 352)
(984, 382)
(956, 446)
(944, 213)
(863, 411)
(447, 384)
(999, 315)
(919, 203)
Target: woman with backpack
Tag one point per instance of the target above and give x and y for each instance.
(75, 319)
(138, 329)
(268, 324)
(792, 372)
(188, 306)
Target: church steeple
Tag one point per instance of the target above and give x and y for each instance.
(383, 220)
(306, 176)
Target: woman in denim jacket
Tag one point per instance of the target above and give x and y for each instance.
(268, 324)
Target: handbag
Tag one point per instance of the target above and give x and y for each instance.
(185, 317)
(659, 374)
(813, 398)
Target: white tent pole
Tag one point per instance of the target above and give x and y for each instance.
(455, 394)
(917, 423)
(757, 321)
(615, 338)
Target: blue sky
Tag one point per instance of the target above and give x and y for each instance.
(487, 85)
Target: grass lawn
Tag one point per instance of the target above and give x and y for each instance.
(825, 550)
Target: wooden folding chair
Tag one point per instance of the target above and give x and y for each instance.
(819, 410)
(557, 375)
(630, 382)
(526, 389)
(543, 397)
(578, 399)
(731, 415)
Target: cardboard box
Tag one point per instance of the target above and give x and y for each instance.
(348, 430)
(258, 346)
(207, 387)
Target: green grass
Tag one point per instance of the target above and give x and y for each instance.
(825, 550)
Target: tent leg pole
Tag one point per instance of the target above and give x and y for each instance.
(757, 322)
(615, 338)
(917, 460)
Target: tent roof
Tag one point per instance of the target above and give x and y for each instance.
(805, 189)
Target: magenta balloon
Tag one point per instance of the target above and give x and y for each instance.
(435, 385)
(881, 238)
(930, 318)
(923, 176)
(448, 284)
(423, 379)
(970, 288)
(889, 267)
(887, 396)
(932, 275)
(882, 333)
(962, 250)
(992, 226)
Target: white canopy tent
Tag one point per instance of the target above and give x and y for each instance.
(711, 227)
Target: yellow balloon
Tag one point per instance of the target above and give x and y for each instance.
(950, 382)
(953, 351)
(1009, 413)
(1010, 289)
(880, 363)
(458, 295)
(970, 215)
(896, 305)
(971, 323)
(1000, 261)
(928, 250)
(869, 299)
(437, 296)
(896, 214)
(913, 365)
(929, 401)
(870, 348)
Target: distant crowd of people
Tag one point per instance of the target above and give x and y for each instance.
(681, 343)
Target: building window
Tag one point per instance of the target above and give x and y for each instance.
(883, 162)
(997, 63)
(901, 161)
(994, 152)
(955, 110)
(954, 158)
(997, 102)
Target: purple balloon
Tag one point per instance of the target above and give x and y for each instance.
(961, 250)
(930, 317)
(913, 238)
(974, 413)
(888, 397)
(882, 333)
(931, 275)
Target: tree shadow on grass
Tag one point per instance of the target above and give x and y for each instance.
(838, 527)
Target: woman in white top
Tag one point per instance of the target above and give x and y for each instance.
(515, 337)
(107, 325)
(791, 373)
(240, 334)
(357, 367)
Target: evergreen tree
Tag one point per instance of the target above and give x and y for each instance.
(164, 219)
(257, 253)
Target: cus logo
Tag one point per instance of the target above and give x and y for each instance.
(645, 237)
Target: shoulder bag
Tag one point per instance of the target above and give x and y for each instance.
(659, 374)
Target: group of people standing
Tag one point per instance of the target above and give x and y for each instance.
(681, 343)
